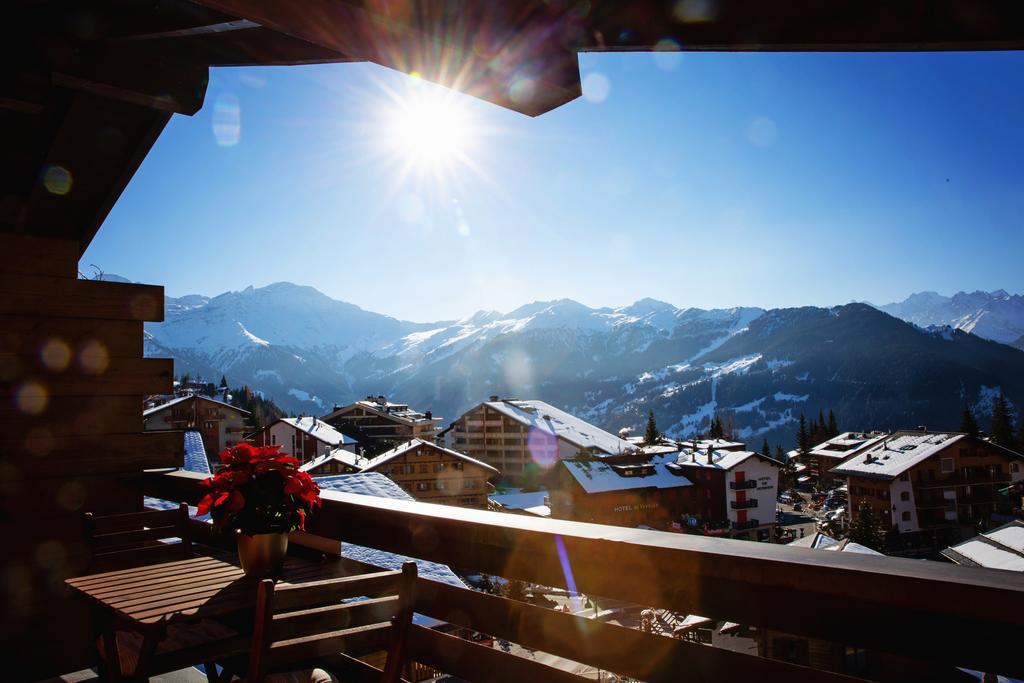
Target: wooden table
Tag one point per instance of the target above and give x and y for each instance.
(148, 599)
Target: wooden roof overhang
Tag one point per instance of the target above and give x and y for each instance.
(89, 85)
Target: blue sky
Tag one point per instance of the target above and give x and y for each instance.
(708, 180)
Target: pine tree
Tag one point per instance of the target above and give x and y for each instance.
(968, 423)
(865, 529)
(1020, 433)
(486, 585)
(833, 426)
(515, 590)
(780, 454)
(766, 450)
(1002, 422)
(716, 431)
(223, 382)
(803, 437)
(651, 435)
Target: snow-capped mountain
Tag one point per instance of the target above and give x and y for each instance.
(997, 315)
(759, 369)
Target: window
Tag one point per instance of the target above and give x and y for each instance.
(440, 466)
(273, 439)
(947, 465)
(422, 486)
(424, 468)
(469, 483)
(1015, 467)
(905, 496)
(440, 485)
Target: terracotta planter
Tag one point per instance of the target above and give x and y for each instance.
(262, 555)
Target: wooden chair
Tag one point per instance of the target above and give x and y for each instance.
(306, 625)
(136, 539)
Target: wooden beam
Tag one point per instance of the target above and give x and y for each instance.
(178, 89)
(75, 416)
(22, 335)
(90, 374)
(58, 297)
(625, 651)
(31, 255)
(517, 55)
(218, 28)
(45, 456)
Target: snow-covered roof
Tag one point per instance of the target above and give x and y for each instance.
(182, 399)
(387, 456)
(335, 455)
(401, 412)
(1001, 548)
(376, 484)
(720, 460)
(895, 454)
(597, 476)
(319, 429)
(547, 418)
(820, 541)
(519, 500)
(846, 444)
(195, 453)
(719, 445)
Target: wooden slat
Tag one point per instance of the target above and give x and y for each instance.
(355, 641)
(334, 617)
(55, 297)
(329, 590)
(24, 335)
(118, 377)
(472, 662)
(42, 456)
(623, 650)
(75, 416)
(142, 517)
(121, 538)
(30, 255)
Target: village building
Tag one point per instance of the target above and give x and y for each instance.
(738, 492)
(535, 503)
(378, 424)
(1001, 548)
(220, 425)
(525, 438)
(826, 455)
(943, 483)
(339, 460)
(305, 438)
(727, 493)
(652, 493)
(433, 474)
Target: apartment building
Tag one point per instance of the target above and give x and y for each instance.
(433, 474)
(220, 425)
(926, 481)
(738, 492)
(378, 424)
(822, 458)
(305, 438)
(520, 437)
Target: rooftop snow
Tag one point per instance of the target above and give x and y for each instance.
(319, 429)
(338, 454)
(413, 443)
(375, 484)
(520, 500)
(720, 460)
(195, 453)
(1001, 548)
(596, 476)
(846, 444)
(893, 455)
(546, 418)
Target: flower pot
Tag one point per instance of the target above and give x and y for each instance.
(262, 555)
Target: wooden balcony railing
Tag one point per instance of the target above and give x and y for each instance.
(936, 612)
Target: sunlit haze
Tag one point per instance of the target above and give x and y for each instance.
(706, 180)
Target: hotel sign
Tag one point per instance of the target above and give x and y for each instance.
(635, 508)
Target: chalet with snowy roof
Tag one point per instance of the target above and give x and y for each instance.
(649, 493)
(826, 455)
(524, 437)
(379, 424)
(306, 438)
(220, 425)
(738, 489)
(336, 461)
(944, 483)
(434, 474)
(1001, 548)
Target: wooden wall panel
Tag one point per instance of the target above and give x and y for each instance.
(73, 377)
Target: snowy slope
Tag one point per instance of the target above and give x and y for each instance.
(997, 315)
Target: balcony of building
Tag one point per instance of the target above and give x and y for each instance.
(743, 504)
(742, 485)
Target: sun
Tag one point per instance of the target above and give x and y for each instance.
(429, 129)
